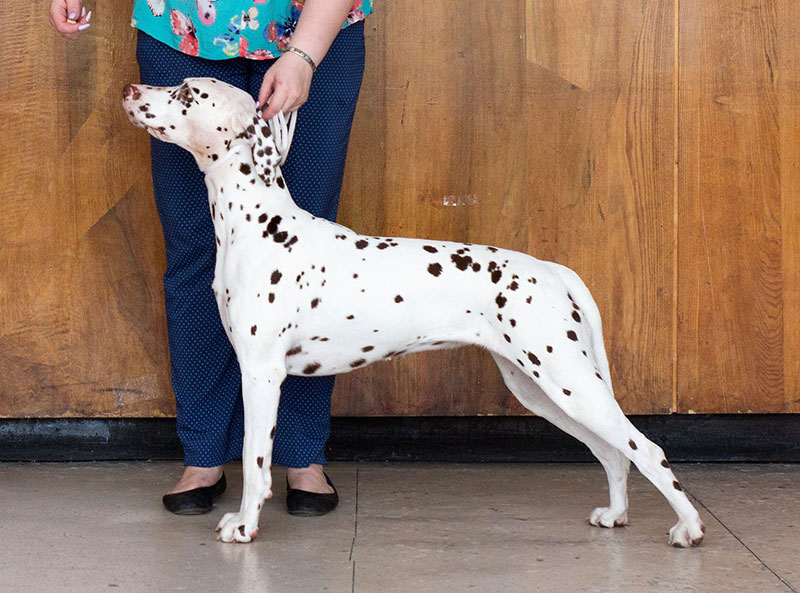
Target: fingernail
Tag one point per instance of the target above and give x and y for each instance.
(258, 104)
(83, 10)
(72, 15)
(83, 27)
(89, 16)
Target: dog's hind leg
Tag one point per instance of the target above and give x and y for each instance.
(589, 402)
(261, 385)
(616, 465)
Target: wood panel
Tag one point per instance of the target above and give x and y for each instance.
(546, 126)
(739, 300)
(81, 308)
(550, 126)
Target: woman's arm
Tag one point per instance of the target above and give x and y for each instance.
(286, 83)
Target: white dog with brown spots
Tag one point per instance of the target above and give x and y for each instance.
(304, 296)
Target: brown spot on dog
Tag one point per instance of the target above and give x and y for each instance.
(260, 462)
(632, 445)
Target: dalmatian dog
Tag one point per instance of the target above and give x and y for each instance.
(301, 295)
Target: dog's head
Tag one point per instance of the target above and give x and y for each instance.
(206, 117)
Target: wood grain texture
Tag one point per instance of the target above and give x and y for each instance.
(546, 126)
(82, 328)
(738, 349)
(553, 132)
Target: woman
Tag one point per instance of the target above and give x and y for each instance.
(271, 49)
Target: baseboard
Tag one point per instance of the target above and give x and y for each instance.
(707, 438)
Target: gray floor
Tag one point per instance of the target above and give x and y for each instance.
(400, 527)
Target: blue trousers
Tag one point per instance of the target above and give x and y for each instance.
(205, 374)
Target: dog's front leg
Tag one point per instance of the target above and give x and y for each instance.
(261, 386)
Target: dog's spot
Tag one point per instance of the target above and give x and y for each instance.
(357, 363)
(383, 245)
(520, 363)
(461, 262)
(500, 300)
(276, 277)
(430, 249)
(291, 242)
(280, 237)
(513, 322)
(293, 351)
(476, 267)
(507, 338)
(513, 286)
(677, 486)
(566, 392)
(632, 444)
(253, 330)
(528, 300)
(272, 433)
(260, 462)
(398, 299)
(273, 225)
(280, 182)
(534, 359)
(350, 317)
(435, 269)
(247, 217)
(536, 374)
(664, 463)
(361, 244)
(244, 168)
(271, 297)
(576, 317)
(549, 349)
(572, 336)
(262, 218)
(499, 317)
(311, 368)
(598, 376)
(367, 348)
(314, 303)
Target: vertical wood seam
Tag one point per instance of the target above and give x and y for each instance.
(675, 186)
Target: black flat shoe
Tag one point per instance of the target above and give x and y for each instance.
(194, 502)
(310, 504)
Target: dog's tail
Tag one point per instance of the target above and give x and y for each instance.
(580, 293)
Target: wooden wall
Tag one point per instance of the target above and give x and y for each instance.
(652, 146)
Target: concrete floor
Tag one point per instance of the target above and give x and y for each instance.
(400, 527)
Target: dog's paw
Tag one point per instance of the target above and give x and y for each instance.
(608, 517)
(687, 534)
(234, 528)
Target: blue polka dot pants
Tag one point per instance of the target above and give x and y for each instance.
(205, 374)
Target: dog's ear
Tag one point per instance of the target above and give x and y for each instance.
(265, 155)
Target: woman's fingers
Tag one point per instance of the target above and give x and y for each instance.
(69, 17)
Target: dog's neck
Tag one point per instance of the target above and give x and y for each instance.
(239, 198)
(234, 150)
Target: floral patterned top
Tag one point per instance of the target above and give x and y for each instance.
(221, 29)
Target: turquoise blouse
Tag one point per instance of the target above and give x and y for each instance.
(221, 29)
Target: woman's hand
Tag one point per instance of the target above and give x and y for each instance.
(285, 86)
(69, 17)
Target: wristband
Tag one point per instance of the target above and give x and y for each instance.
(303, 55)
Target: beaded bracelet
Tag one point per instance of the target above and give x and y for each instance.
(303, 55)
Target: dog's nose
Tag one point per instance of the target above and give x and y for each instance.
(130, 91)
